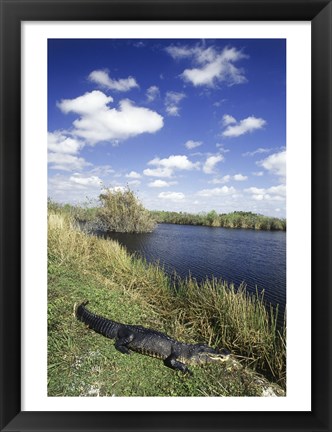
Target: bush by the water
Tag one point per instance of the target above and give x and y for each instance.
(121, 211)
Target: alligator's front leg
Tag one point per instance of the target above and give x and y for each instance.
(124, 337)
(172, 362)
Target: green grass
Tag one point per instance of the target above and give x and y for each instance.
(127, 289)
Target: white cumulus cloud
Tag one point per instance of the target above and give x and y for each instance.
(244, 126)
(102, 78)
(73, 188)
(225, 190)
(172, 196)
(190, 144)
(133, 175)
(273, 193)
(158, 172)
(86, 181)
(240, 177)
(275, 164)
(212, 66)
(257, 151)
(88, 103)
(222, 180)
(58, 142)
(180, 52)
(98, 122)
(63, 152)
(66, 162)
(160, 183)
(167, 166)
(101, 170)
(228, 119)
(172, 102)
(227, 178)
(152, 93)
(211, 162)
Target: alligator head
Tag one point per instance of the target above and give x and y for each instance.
(204, 354)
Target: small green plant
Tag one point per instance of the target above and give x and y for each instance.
(121, 211)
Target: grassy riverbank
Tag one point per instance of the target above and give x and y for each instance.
(127, 289)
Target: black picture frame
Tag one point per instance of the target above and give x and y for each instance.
(13, 12)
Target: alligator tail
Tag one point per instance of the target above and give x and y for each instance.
(99, 324)
(75, 308)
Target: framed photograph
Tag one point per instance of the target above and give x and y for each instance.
(133, 129)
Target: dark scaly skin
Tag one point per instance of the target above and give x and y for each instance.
(175, 355)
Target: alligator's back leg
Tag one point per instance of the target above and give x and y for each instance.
(172, 362)
(124, 337)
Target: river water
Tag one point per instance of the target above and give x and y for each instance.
(257, 258)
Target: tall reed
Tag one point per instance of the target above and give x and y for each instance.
(237, 319)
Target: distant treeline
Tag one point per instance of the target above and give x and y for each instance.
(237, 219)
(122, 212)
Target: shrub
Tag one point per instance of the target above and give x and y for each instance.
(121, 211)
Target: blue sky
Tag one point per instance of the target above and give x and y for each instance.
(189, 125)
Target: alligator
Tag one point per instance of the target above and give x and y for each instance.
(175, 355)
